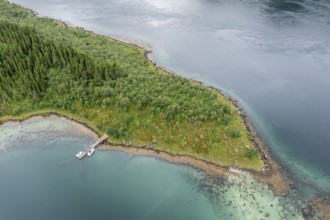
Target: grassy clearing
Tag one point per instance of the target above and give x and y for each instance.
(142, 105)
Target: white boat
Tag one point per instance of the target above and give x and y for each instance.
(90, 152)
(78, 155)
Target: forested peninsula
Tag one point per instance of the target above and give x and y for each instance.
(46, 66)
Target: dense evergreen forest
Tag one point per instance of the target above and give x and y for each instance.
(46, 66)
(29, 64)
(26, 60)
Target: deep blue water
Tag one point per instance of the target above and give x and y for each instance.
(273, 56)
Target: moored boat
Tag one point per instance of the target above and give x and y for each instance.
(90, 152)
(78, 155)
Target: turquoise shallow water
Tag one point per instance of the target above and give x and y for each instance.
(272, 55)
(41, 179)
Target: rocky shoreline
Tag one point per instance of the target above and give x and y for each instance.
(318, 207)
(271, 173)
(271, 176)
(315, 208)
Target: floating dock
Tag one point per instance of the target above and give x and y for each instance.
(80, 155)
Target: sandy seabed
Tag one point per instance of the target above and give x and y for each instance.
(273, 177)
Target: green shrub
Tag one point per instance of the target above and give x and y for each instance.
(252, 153)
(234, 133)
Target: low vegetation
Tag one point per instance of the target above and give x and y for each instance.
(46, 66)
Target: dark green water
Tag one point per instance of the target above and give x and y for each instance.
(41, 179)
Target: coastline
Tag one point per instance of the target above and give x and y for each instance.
(271, 174)
(317, 207)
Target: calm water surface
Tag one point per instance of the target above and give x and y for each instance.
(272, 55)
(41, 179)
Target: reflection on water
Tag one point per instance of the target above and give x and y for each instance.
(274, 56)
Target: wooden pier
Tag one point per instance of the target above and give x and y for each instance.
(82, 154)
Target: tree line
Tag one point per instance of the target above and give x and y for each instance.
(26, 58)
(46, 65)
